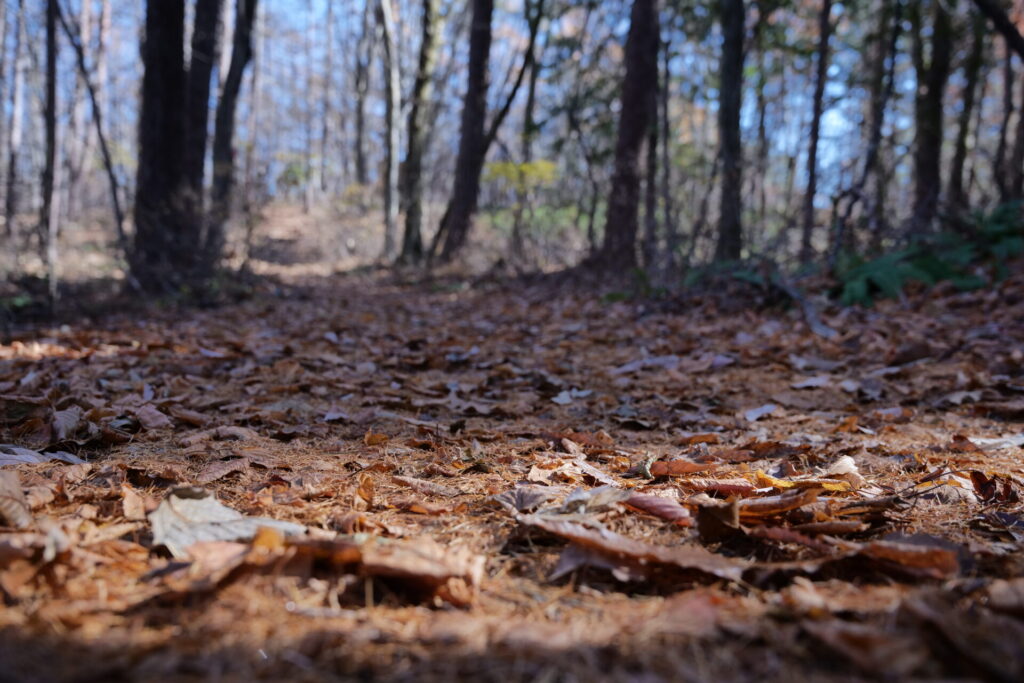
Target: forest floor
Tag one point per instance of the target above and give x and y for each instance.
(354, 477)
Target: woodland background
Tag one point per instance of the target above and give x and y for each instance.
(816, 135)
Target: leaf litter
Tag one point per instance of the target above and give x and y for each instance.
(383, 481)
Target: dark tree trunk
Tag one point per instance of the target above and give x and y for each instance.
(224, 133)
(362, 86)
(650, 241)
(636, 117)
(472, 135)
(197, 97)
(932, 75)
(48, 212)
(972, 70)
(16, 128)
(164, 255)
(474, 140)
(730, 229)
(412, 239)
(1001, 170)
(393, 106)
(824, 32)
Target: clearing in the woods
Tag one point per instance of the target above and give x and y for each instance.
(359, 478)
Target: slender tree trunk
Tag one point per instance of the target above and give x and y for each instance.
(1001, 169)
(3, 93)
(312, 183)
(250, 197)
(80, 134)
(97, 117)
(17, 126)
(730, 228)
(326, 130)
(528, 135)
(637, 113)
(164, 256)
(392, 116)
(672, 236)
(472, 146)
(972, 70)
(650, 241)
(824, 32)
(362, 83)
(49, 123)
(412, 240)
(224, 131)
(49, 212)
(458, 217)
(197, 99)
(932, 75)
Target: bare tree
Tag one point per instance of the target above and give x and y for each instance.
(17, 123)
(412, 239)
(932, 74)
(824, 32)
(49, 212)
(197, 98)
(362, 85)
(730, 229)
(224, 132)
(972, 71)
(326, 92)
(163, 256)
(392, 118)
(80, 137)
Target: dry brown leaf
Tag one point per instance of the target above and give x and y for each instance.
(427, 487)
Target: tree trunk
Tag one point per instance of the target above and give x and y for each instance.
(3, 92)
(472, 145)
(80, 137)
(1001, 170)
(972, 70)
(312, 183)
(362, 84)
(197, 99)
(97, 116)
(458, 215)
(393, 105)
(730, 229)
(672, 236)
(650, 241)
(17, 125)
(412, 240)
(164, 255)
(224, 132)
(326, 131)
(824, 32)
(49, 212)
(932, 75)
(618, 250)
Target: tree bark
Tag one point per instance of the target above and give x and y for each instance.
(824, 32)
(164, 256)
(637, 113)
(224, 132)
(932, 75)
(730, 229)
(49, 212)
(80, 138)
(472, 146)
(458, 215)
(326, 130)
(17, 125)
(362, 85)
(197, 98)
(1001, 170)
(972, 70)
(412, 239)
(392, 117)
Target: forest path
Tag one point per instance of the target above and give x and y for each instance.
(717, 494)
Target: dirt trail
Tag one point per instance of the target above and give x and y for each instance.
(518, 485)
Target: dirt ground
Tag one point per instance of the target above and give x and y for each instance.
(433, 481)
